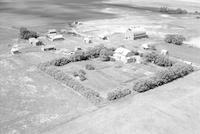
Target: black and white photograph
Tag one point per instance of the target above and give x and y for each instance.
(99, 66)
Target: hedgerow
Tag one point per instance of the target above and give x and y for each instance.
(81, 55)
(117, 94)
(178, 70)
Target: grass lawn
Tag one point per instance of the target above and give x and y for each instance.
(108, 76)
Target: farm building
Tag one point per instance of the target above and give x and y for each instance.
(148, 46)
(137, 59)
(164, 52)
(123, 54)
(134, 33)
(48, 48)
(52, 31)
(14, 50)
(87, 40)
(77, 48)
(33, 41)
(56, 37)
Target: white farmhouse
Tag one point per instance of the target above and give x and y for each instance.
(134, 33)
(123, 54)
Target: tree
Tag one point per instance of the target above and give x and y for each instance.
(26, 34)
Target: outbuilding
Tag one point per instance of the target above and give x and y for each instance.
(134, 33)
(87, 40)
(14, 50)
(52, 31)
(48, 48)
(33, 41)
(164, 52)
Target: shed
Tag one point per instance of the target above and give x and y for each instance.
(48, 48)
(164, 52)
(87, 40)
(14, 50)
(77, 48)
(52, 31)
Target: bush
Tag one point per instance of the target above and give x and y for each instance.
(89, 67)
(117, 94)
(82, 77)
(173, 11)
(75, 74)
(158, 59)
(77, 56)
(135, 52)
(94, 52)
(105, 54)
(182, 69)
(81, 72)
(61, 61)
(145, 84)
(26, 34)
(178, 70)
(81, 55)
(39, 43)
(174, 39)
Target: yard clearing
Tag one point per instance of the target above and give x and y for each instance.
(108, 76)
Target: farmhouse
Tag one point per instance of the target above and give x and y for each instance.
(134, 33)
(123, 54)
(48, 48)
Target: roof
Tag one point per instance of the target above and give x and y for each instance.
(33, 40)
(137, 30)
(122, 51)
(57, 36)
